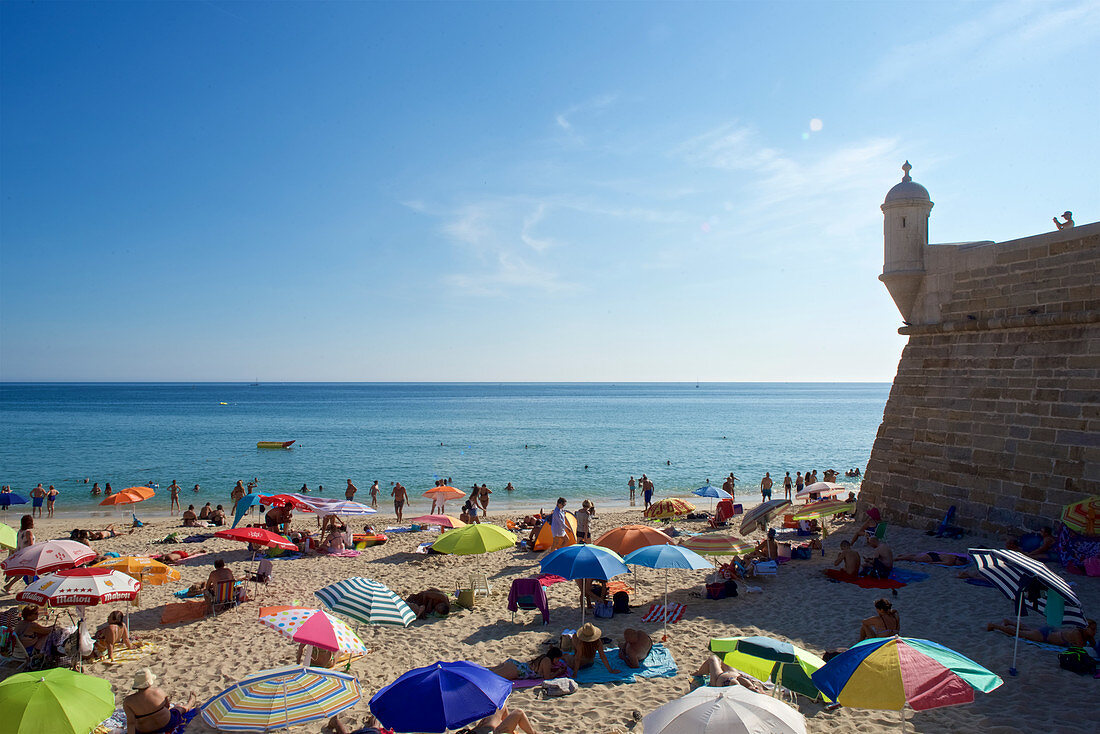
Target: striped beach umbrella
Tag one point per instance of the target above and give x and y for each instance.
(717, 544)
(281, 698)
(726, 710)
(147, 570)
(891, 672)
(80, 587)
(1083, 516)
(366, 601)
(669, 508)
(766, 658)
(824, 508)
(42, 558)
(313, 627)
(821, 488)
(760, 515)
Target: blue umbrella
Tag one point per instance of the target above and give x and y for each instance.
(666, 557)
(243, 504)
(714, 492)
(9, 498)
(584, 562)
(439, 697)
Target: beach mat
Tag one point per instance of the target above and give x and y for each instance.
(549, 579)
(658, 664)
(906, 576)
(123, 655)
(656, 613)
(863, 582)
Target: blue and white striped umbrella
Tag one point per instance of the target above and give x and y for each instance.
(281, 698)
(366, 601)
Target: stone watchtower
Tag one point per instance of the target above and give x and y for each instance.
(995, 408)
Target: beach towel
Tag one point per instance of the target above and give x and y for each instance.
(906, 576)
(344, 554)
(549, 579)
(656, 613)
(116, 722)
(186, 593)
(184, 611)
(969, 561)
(658, 664)
(123, 656)
(863, 582)
(197, 538)
(614, 587)
(980, 582)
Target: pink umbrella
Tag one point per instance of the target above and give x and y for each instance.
(313, 627)
(81, 587)
(42, 558)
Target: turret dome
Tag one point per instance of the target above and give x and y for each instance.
(907, 189)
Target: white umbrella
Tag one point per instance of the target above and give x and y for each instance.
(729, 710)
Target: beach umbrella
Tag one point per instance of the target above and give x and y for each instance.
(313, 627)
(474, 540)
(760, 515)
(821, 488)
(42, 558)
(713, 492)
(366, 601)
(281, 698)
(54, 701)
(717, 544)
(8, 537)
(129, 496)
(333, 506)
(629, 538)
(80, 587)
(1083, 516)
(10, 498)
(666, 557)
(256, 536)
(149, 571)
(769, 659)
(823, 508)
(584, 562)
(1020, 577)
(729, 710)
(669, 508)
(439, 697)
(444, 493)
(443, 521)
(243, 505)
(296, 501)
(892, 672)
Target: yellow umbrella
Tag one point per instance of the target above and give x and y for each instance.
(666, 509)
(144, 569)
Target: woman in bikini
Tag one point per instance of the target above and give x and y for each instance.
(586, 646)
(111, 634)
(1067, 637)
(29, 631)
(885, 623)
(148, 710)
(713, 672)
(545, 666)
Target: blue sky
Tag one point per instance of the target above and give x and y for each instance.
(520, 191)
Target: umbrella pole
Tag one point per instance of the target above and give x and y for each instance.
(1016, 639)
(664, 636)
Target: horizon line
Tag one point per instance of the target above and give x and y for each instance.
(445, 382)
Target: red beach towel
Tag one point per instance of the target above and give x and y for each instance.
(549, 579)
(656, 613)
(863, 582)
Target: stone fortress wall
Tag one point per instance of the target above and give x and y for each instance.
(996, 405)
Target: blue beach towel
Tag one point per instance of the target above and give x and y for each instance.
(906, 576)
(658, 664)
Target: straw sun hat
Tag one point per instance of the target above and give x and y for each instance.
(588, 632)
(144, 678)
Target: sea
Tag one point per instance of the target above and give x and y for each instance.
(577, 440)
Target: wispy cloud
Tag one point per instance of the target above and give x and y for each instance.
(508, 271)
(527, 233)
(564, 119)
(1007, 33)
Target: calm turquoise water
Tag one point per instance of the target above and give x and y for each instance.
(537, 436)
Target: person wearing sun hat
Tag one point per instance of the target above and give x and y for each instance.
(586, 645)
(148, 710)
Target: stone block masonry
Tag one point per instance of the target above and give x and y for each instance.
(996, 405)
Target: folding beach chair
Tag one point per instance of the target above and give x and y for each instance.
(224, 596)
(479, 582)
(528, 595)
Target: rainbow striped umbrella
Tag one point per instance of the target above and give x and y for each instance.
(890, 672)
(1083, 516)
(824, 508)
(718, 544)
(313, 627)
(281, 698)
(669, 508)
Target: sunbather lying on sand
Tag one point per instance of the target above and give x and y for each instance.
(550, 665)
(503, 721)
(428, 601)
(635, 647)
(173, 557)
(1064, 637)
(942, 559)
(713, 672)
(85, 535)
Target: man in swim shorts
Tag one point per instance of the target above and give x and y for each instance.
(400, 496)
(37, 495)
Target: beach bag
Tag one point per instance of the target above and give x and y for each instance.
(731, 587)
(604, 610)
(1092, 566)
(621, 602)
(802, 554)
(1077, 660)
(555, 687)
(716, 591)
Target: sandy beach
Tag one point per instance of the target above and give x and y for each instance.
(799, 605)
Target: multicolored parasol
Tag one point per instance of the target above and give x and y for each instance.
(669, 508)
(1083, 516)
(281, 698)
(313, 627)
(760, 515)
(717, 544)
(823, 508)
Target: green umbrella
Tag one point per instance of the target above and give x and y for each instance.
(55, 701)
(767, 659)
(7, 537)
(474, 540)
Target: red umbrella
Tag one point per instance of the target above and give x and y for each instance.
(43, 558)
(81, 587)
(256, 536)
(278, 500)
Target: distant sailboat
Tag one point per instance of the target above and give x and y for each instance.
(256, 383)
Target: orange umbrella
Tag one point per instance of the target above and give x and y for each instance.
(444, 493)
(129, 496)
(630, 538)
(143, 568)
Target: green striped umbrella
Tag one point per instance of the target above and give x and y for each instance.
(366, 601)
